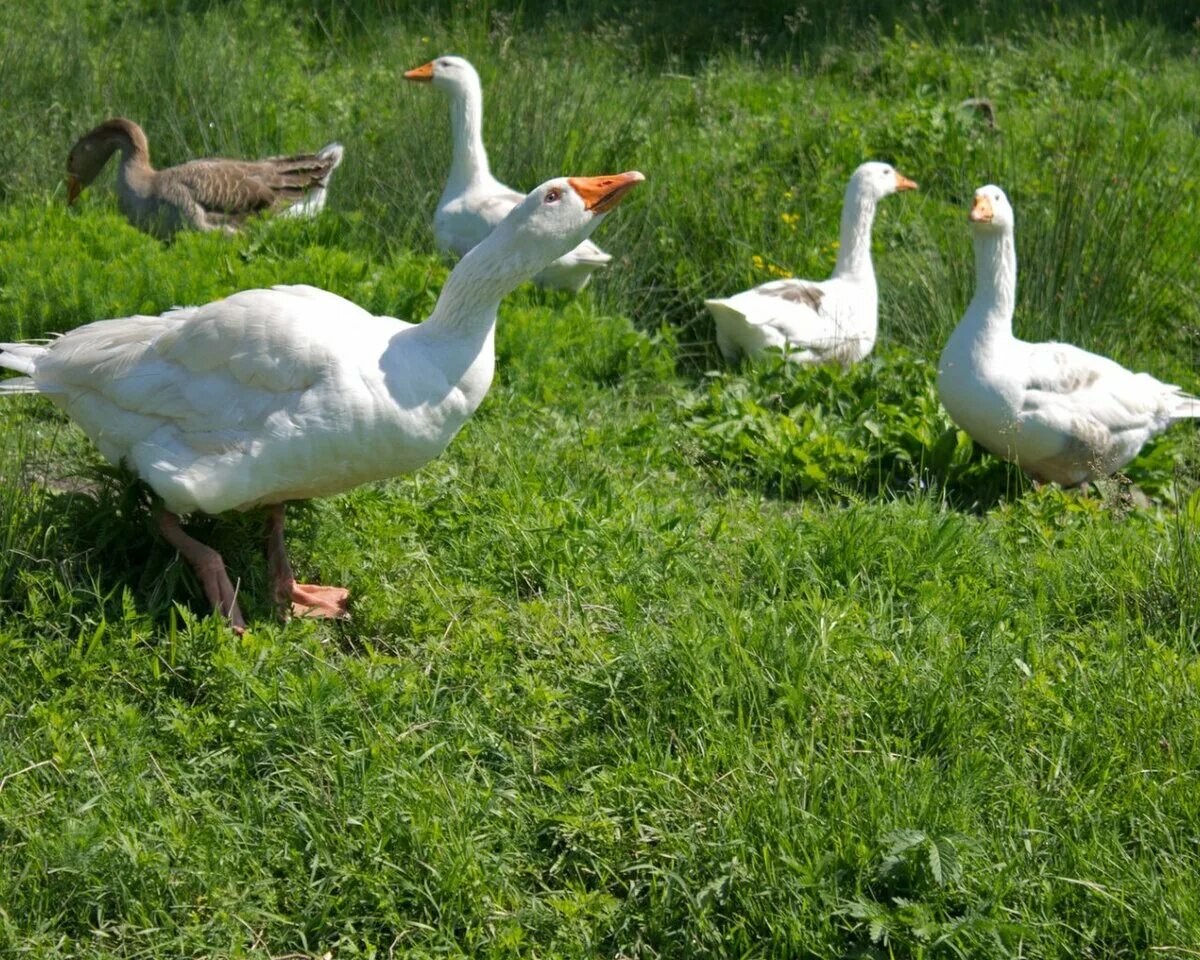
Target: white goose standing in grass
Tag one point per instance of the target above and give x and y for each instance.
(212, 194)
(817, 321)
(293, 392)
(1060, 413)
(473, 201)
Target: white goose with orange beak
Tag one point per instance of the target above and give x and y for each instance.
(294, 392)
(1060, 413)
(473, 201)
(834, 320)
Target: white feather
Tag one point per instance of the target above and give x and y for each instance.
(292, 392)
(1061, 413)
(809, 321)
(473, 201)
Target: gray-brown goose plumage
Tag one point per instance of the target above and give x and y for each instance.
(215, 194)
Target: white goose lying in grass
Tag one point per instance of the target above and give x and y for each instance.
(203, 194)
(810, 321)
(293, 392)
(474, 201)
(1060, 413)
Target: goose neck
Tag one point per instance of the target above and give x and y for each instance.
(134, 173)
(854, 250)
(470, 162)
(132, 143)
(471, 296)
(995, 281)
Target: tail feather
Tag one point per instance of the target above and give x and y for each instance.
(307, 179)
(309, 204)
(17, 385)
(332, 153)
(722, 311)
(729, 322)
(1186, 406)
(590, 254)
(302, 170)
(596, 260)
(21, 357)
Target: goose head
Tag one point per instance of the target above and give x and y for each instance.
(878, 180)
(552, 219)
(990, 211)
(447, 73)
(91, 152)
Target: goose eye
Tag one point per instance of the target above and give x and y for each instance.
(553, 196)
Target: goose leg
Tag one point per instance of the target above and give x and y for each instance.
(209, 567)
(298, 599)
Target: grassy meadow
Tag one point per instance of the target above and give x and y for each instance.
(662, 658)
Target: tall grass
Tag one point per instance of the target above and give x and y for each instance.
(1094, 144)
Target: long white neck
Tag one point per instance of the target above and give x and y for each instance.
(991, 310)
(854, 251)
(458, 340)
(461, 331)
(470, 163)
(490, 271)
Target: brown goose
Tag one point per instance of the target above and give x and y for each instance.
(214, 194)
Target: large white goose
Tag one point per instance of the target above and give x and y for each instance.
(474, 201)
(1060, 413)
(293, 392)
(212, 194)
(817, 321)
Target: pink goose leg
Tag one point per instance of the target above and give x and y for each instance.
(298, 599)
(209, 567)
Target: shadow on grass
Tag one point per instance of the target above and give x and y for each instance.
(83, 541)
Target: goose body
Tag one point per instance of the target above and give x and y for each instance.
(294, 392)
(212, 194)
(1060, 413)
(817, 321)
(263, 397)
(473, 201)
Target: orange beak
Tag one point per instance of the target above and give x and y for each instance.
(423, 73)
(74, 188)
(903, 183)
(981, 210)
(601, 194)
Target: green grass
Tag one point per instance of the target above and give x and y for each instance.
(660, 659)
